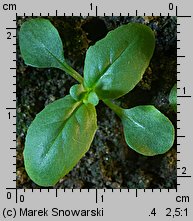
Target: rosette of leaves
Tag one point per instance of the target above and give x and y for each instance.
(63, 131)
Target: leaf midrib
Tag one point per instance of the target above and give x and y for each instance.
(53, 55)
(61, 129)
(110, 64)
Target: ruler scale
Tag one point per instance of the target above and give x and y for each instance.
(151, 204)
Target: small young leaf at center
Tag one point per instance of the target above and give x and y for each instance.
(77, 91)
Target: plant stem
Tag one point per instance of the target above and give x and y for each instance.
(65, 67)
(118, 110)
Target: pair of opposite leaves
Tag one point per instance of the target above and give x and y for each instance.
(62, 133)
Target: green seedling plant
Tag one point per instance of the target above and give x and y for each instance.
(62, 133)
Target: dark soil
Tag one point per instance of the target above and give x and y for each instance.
(109, 163)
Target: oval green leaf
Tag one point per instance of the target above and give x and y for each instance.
(57, 139)
(115, 64)
(173, 98)
(92, 98)
(147, 130)
(77, 92)
(40, 44)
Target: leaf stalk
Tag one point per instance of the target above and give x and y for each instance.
(118, 110)
(68, 69)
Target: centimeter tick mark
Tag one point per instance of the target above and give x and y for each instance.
(183, 96)
(96, 11)
(185, 176)
(96, 196)
(11, 28)
(184, 16)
